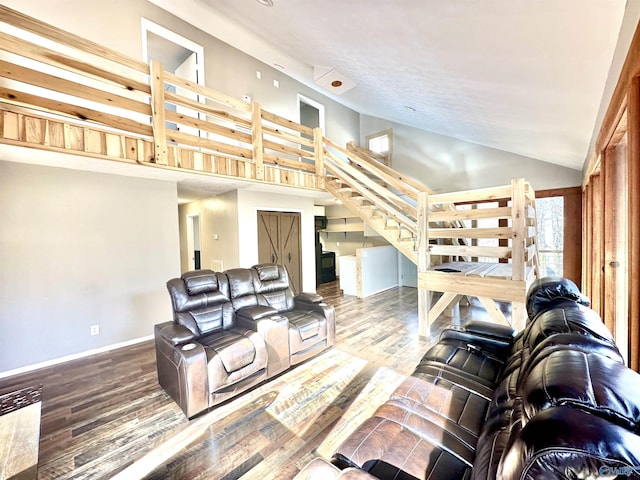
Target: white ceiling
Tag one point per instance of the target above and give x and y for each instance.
(522, 76)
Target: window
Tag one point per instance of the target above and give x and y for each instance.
(550, 213)
(382, 144)
(379, 144)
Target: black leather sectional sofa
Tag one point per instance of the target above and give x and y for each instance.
(554, 401)
(234, 329)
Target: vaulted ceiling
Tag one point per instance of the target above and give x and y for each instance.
(522, 76)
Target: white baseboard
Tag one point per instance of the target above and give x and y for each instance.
(75, 356)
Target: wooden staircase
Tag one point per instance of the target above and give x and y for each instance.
(385, 199)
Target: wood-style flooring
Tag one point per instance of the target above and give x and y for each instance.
(106, 415)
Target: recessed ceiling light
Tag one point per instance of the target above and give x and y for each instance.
(411, 109)
(277, 65)
(266, 3)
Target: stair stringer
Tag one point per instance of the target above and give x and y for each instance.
(377, 220)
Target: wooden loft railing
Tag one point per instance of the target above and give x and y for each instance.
(62, 93)
(497, 272)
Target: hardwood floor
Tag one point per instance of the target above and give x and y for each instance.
(106, 415)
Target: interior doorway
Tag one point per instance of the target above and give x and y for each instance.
(311, 114)
(180, 56)
(193, 241)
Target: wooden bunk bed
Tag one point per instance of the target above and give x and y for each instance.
(491, 254)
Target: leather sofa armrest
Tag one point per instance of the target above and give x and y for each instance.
(491, 330)
(182, 368)
(308, 297)
(274, 328)
(482, 337)
(255, 312)
(301, 303)
(174, 333)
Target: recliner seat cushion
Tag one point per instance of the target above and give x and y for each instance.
(433, 397)
(390, 450)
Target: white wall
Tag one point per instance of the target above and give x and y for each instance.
(408, 272)
(249, 202)
(378, 269)
(79, 249)
(445, 164)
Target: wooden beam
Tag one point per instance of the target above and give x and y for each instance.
(496, 288)
(207, 126)
(58, 35)
(443, 302)
(69, 87)
(475, 214)
(609, 260)
(470, 251)
(158, 112)
(597, 247)
(494, 311)
(318, 150)
(633, 191)
(47, 56)
(76, 112)
(210, 93)
(258, 145)
(503, 233)
(288, 163)
(244, 154)
(424, 262)
(478, 195)
(518, 241)
(283, 122)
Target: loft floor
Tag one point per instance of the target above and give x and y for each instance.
(102, 414)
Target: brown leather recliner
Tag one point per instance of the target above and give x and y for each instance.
(207, 354)
(232, 330)
(311, 321)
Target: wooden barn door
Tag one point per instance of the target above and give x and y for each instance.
(279, 242)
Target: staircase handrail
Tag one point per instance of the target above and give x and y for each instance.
(406, 184)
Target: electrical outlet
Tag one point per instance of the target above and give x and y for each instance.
(94, 329)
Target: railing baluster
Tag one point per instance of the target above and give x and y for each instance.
(318, 149)
(424, 262)
(256, 132)
(157, 112)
